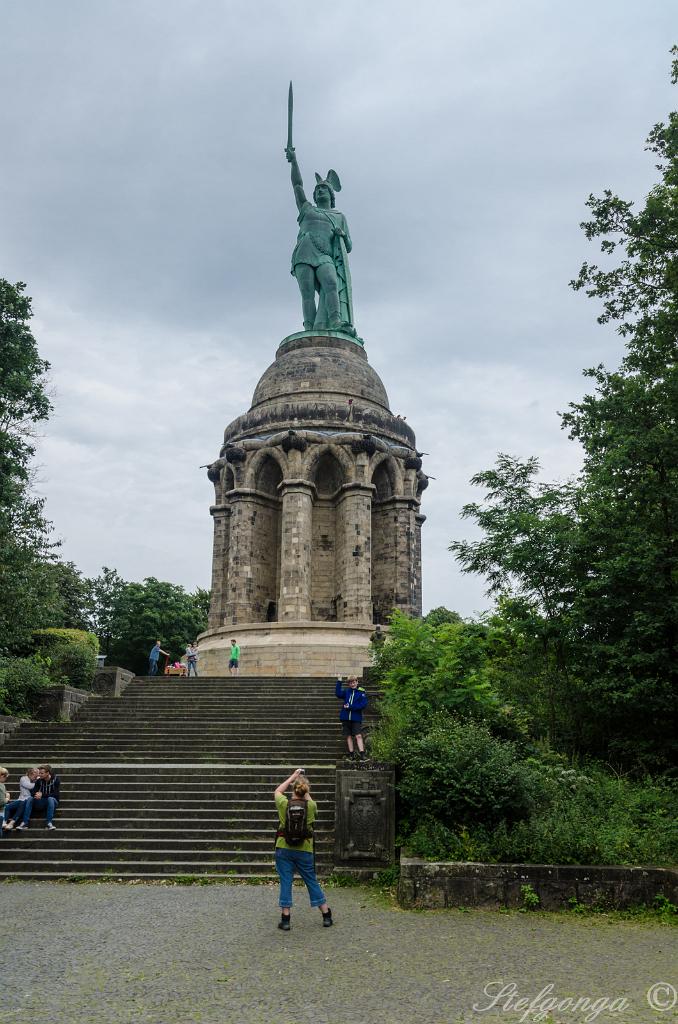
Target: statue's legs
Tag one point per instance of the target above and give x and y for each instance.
(329, 290)
(305, 276)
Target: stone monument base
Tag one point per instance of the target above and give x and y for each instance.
(288, 648)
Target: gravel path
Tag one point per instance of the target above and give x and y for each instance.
(142, 954)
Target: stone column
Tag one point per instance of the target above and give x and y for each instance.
(221, 515)
(354, 555)
(238, 597)
(419, 520)
(294, 602)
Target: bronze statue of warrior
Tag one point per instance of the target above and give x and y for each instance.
(320, 257)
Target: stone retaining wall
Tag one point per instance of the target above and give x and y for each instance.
(7, 726)
(436, 884)
(60, 702)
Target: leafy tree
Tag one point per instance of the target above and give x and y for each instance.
(26, 597)
(628, 596)
(437, 616)
(592, 566)
(150, 611)
(71, 601)
(105, 596)
(529, 544)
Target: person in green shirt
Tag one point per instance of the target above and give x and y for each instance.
(299, 857)
(234, 660)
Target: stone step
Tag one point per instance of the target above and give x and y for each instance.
(304, 730)
(140, 753)
(153, 838)
(196, 823)
(215, 804)
(178, 812)
(111, 854)
(134, 868)
(176, 778)
(253, 877)
(149, 790)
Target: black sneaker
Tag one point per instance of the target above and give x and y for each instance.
(284, 923)
(327, 919)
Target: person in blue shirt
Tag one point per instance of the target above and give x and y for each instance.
(354, 701)
(156, 651)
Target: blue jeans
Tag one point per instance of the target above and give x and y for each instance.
(285, 863)
(18, 809)
(47, 804)
(194, 666)
(153, 667)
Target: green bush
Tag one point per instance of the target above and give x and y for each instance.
(461, 775)
(595, 818)
(74, 665)
(49, 640)
(580, 817)
(70, 653)
(21, 680)
(425, 669)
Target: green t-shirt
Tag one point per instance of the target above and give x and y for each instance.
(3, 794)
(311, 811)
(235, 652)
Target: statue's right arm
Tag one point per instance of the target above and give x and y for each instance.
(297, 183)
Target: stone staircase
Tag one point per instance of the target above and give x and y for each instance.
(176, 778)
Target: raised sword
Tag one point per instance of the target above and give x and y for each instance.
(290, 110)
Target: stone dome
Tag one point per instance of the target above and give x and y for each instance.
(320, 381)
(321, 369)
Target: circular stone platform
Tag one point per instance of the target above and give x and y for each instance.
(288, 649)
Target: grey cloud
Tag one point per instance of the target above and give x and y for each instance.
(145, 198)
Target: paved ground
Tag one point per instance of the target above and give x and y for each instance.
(126, 954)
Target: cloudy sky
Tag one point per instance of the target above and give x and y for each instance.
(145, 200)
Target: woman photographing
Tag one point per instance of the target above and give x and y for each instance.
(294, 846)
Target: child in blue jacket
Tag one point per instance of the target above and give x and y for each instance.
(354, 701)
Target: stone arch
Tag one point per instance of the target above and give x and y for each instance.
(328, 475)
(227, 480)
(387, 470)
(316, 452)
(268, 476)
(262, 460)
(328, 467)
(387, 482)
(263, 512)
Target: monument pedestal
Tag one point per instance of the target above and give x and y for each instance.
(288, 649)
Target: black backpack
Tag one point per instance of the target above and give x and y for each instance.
(296, 828)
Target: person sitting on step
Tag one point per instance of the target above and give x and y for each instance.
(4, 795)
(354, 701)
(20, 810)
(46, 794)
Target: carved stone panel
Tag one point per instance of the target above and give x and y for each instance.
(365, 818)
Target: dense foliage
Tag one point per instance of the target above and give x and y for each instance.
(51, 616)
(26, 595)
(138, 614)
(591, 566)
(584, 636)
(478, 779)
